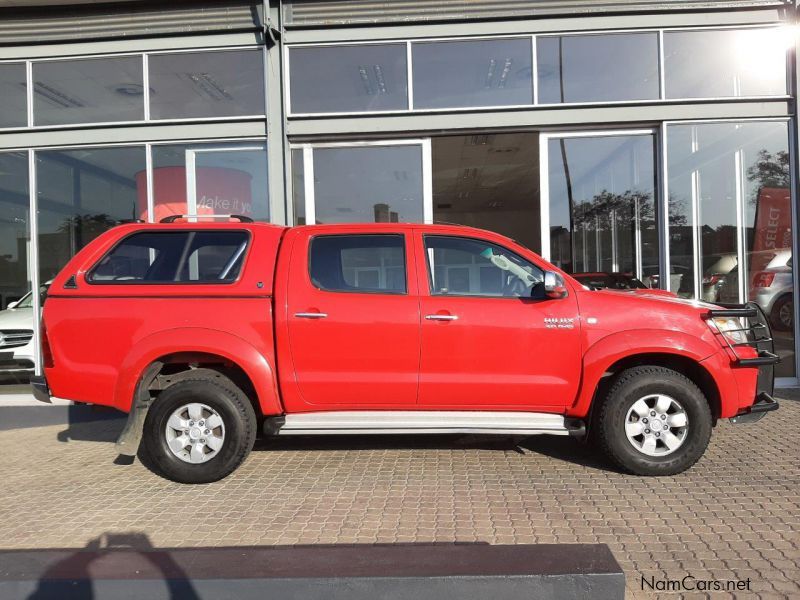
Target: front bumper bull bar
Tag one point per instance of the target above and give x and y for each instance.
(755, 327)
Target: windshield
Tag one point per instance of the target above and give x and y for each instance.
(27, 299)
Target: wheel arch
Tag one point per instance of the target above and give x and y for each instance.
(171, 352)
(688, 367)
(671, 349)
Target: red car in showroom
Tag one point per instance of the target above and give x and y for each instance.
(207, 332)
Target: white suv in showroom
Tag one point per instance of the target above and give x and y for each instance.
(16, 334)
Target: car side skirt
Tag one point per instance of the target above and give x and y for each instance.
(423, 422)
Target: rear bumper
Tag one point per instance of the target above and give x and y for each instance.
(764, 403)
(40, 389)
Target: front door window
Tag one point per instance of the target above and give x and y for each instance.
(469, 267)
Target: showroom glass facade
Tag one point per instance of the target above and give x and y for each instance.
(606, 143)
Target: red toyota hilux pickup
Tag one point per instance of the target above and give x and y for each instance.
(207, 332)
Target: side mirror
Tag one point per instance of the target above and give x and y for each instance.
(554, 286)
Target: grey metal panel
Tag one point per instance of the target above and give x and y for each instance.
(555, 24)
(52, 25)
(134, 134)
(361, 127)
(277, 145)
(344, 12)
(89, 47)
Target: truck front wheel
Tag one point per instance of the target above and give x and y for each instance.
(199, 429)
(654, 421)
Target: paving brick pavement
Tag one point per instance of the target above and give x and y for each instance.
(735, 515)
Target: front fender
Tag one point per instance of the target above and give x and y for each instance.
(198, 339)
(605, 352)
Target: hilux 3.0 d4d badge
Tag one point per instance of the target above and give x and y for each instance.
(559, 322)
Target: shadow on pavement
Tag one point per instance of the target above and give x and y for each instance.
(80, 421)
(566, 449)
(71, 577)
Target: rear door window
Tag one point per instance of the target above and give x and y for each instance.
(359, 263)
(174, 257)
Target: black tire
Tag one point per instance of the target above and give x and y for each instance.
(775, 317)
(640, 382)
(203, 386)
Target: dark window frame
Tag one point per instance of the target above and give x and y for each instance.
(402, 236)
(249, 240)
(433, 294)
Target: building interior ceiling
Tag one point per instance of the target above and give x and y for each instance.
(482, 172)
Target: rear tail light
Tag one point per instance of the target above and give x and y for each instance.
(763, 279)
(47, 354)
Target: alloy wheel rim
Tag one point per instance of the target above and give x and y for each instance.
(656, 425)
(195, 433)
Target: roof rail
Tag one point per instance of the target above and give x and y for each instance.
(173, 218)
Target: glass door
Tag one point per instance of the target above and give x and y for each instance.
(362, 182)
(219, 180)
(598, 203)
(209, 179)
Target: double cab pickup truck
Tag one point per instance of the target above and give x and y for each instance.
(208, 332)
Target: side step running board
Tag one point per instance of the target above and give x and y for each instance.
(423, 422)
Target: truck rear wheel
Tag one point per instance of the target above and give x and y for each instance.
(199, 429)
(654, 421)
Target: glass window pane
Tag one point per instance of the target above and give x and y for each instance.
(366, 184)
(705, 162)
(359, 263)
(597, 68)
(490, 181)
(88, 90)
(228, 179)
(14, 229)
(602, 205)
(206, 84)
(363, 78)
(204, 256)
(472, 73)
(467, 267)
(724, 63)
(81, 194)
(14, 108)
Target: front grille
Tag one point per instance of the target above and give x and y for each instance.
(14, 338)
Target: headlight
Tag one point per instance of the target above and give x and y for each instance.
(731, 328)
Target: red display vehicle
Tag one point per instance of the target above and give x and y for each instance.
(207, 331)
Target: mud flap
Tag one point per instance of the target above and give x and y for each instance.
(128, 441)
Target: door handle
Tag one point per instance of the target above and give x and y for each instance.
(441, 317)
(310, 315)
